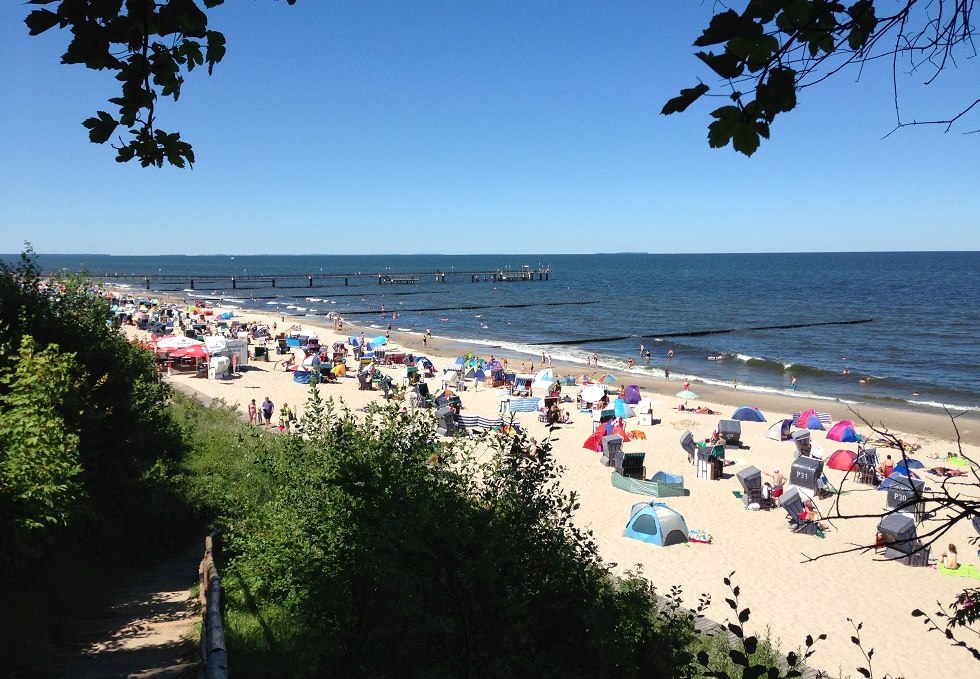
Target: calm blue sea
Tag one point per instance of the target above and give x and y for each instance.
(923, 338)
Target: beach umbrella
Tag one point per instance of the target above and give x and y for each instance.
(607, 378)
(192, 351)
(842, 460)
(748, 414)
(177, 342)
(844, 432)
(379, 340)
(623, 409)
(494, 365)
(593, 393)
(686, 393)
(587, 379)
(903, 466)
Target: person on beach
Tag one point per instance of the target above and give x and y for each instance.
(792, 383)
(425, 341)
(629, 364)
(253, 412)
(670, 354)
(778, 481)
(267, 408)
(886, 467)
(950, 558)
(687, 385)
(647, 356)
(642, 350)
(811, 513)
(666, 373)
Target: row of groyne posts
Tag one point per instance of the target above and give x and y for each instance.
(192, 281)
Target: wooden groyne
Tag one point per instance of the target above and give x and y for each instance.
(309, 280)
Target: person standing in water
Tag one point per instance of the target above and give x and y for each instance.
(792, 383)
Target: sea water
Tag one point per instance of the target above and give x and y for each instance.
(919, 344)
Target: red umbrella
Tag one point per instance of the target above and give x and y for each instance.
(194, 351)
(842, 460)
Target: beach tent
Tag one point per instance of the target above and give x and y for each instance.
(543, 382)
(844, 432)
(302, 376)
(622, 409)
(897, 477)
(842, 460)
(632, 394)
(748, 414)
(608, 428)
(808, 419)
(780, 431)
(568, 380)
(656, 523)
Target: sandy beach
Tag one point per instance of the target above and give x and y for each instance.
(792, 584)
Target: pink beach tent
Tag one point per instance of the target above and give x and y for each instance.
(808, 419)
(844, 432)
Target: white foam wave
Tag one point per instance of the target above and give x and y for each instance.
(746, 359)
(936, 404)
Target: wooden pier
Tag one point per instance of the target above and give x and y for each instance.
(308, 280)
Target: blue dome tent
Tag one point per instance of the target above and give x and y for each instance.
(748, 414)
(656, 523)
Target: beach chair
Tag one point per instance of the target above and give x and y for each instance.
(897, 531)
(731, 431)
(866, 463)
(364, 381)
(750, 479)
(631, 465)
(792, 502)
(612, 446)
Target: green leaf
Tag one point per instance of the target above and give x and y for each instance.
(723, 27)
(101, 127)
(726, 65)
(687, 97)
(215, 51)
(40, 20)
(745, 139)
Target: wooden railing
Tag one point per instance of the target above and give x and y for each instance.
(214, 655)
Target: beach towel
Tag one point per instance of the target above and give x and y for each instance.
(966, 570)
(953, 460)
(699, 536)
(637, 434)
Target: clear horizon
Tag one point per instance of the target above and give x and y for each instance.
(503, 127)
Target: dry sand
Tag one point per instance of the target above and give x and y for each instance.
(789, 594)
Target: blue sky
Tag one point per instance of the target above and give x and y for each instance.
(462, 127)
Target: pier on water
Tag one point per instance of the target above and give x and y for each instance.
(309, 280)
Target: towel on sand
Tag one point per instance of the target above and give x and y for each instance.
(966, 570)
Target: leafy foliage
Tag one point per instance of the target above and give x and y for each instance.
(87, 452)
(775, 48)
(394, 553)
(149, 45)
(38, 454)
